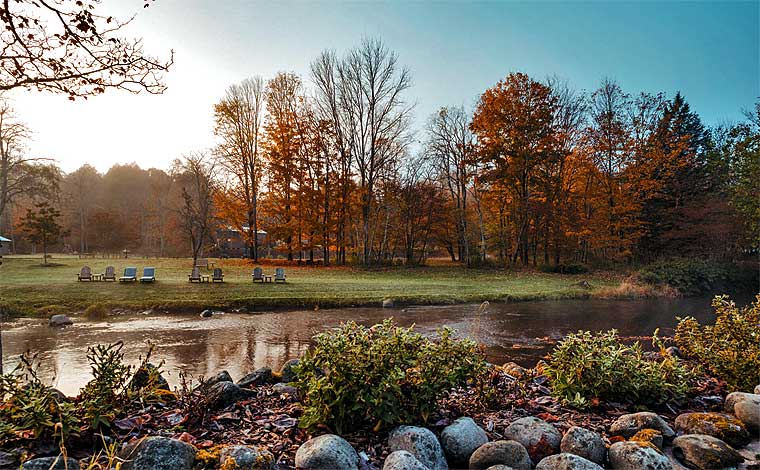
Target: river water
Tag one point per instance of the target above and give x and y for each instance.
(520, 332)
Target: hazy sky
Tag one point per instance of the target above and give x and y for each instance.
(707, 50)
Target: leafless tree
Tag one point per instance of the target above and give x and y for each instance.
(450, 147)
(239, 118)
(66, 46)
(196, 174)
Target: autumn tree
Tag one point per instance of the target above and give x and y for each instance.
(513, 123)
(80, 194)
(41, 226)
(71, 47)
(239, 121)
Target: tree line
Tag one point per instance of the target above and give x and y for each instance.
(329, 165)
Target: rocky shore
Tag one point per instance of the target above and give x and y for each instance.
(252, 423)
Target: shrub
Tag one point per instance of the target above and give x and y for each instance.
(571, 268)
(730, 348)
(381, 376)
(696, 276)
(585, 366)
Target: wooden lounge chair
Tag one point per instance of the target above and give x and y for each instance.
(195, 275)
(218, 275)
(258, 275)
(85, 274)
(279, 275)
(130, 275)
(110, 274)
(149, 275)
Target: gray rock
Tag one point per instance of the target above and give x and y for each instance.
(327, 452)
(650, 436)
(287, 372)
(757, 389)
(500, 467)
(733, 398)
(420, 442)
(719, 425)
(282, 388)
(258, 377)
(584, 443)
(143, 374)
(222, 376)
(207, 313)
(460, 439)
(637, 456)
(705, 452)
(509, 453)
(51, 463)
(59, 320)
(224, 394)
(514, 369)
(246, 458)
(158, 453)
(630, 424)
(566, 461)
(388, 303)
(748, 413)
(8, 461)
(402, 460)
(674, 352)
(539, 438)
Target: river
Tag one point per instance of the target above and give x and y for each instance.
(520, 332)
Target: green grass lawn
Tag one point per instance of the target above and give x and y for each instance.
(27, 287)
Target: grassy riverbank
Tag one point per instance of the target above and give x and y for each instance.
(27, 287)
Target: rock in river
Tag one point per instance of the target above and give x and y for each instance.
(705, 452)
(327, 452)
(508, 453)
(584, 443)
(158, 453)
(630, 424)
(540, 438)
(420, 442)
(720, 425)
(460, 439)
(637, 456)
(60, 320)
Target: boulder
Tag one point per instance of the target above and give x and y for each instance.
(224, 394)
(158, 453)
(748, 413)
(515, 370)
(207, 313)
(258, 377)
(50, 463)
(142, 375)
(287, 373)
(402, 460)
(8, 461)
(246, 458)
(59, 320)
(539, 438)
(719, 425)
(420, 442)
(629, 455)
(733, 398)
(649, 436)
(208, 383)
(705, 452)
(630, 424)
(584, 443)
(508, 453)
(327, 452)
(460, 439)
(388, 303)
(565, 461)
(757, 389)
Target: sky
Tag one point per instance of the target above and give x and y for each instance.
(709, 51)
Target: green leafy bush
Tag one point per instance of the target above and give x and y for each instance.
(695, 276)
(381, 376)
(730, 348)
(569, 268)
(585, 366)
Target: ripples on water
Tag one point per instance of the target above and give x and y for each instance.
(241, 343)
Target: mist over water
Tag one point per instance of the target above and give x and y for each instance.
(241, 343)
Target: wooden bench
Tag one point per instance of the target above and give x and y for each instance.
(204, 263)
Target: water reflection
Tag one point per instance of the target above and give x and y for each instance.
(241, 343)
